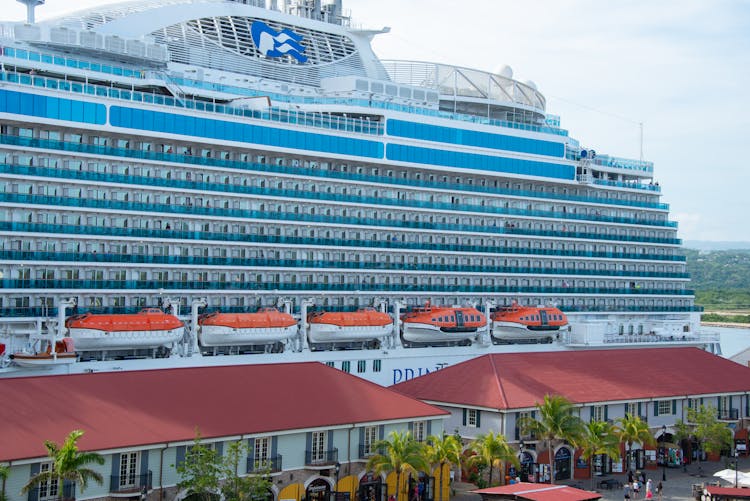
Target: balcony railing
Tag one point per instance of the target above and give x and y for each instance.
(54, 494)
(130, 484)
(267, 465)
(321, 458)
(367, 451)
(728, 414)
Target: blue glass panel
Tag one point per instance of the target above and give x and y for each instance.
(49, 107)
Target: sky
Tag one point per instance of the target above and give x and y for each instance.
(679, 67)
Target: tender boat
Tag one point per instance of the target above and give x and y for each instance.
(265, 326)
(442, 325)
(365, 324)
(517, 323)
(63, 354)
(149, 328)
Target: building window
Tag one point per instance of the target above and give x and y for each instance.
(597, 413)
(49, 488)
(330, 364)
(346, 366)
(472, 418)
(318, 451)
(370, 437)
(376, 364)
(419, 431)
(693, 403)
(361, 366)
(128, 470)
(665, 407)
(631, 408)
(260, 450)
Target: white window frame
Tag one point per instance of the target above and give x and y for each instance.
(597, 413)
(261, 452)
(49, 489)
(370, 437)
(471, 418)
(129, 469)
(419, 429)
(665, 407)
(631, 408)
(318, 446)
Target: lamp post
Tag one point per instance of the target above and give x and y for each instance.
(663, 453)
(524, 473)
(736, 459)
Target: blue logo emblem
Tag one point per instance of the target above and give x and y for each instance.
(272, 43)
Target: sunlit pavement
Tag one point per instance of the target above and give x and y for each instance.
(678, 486)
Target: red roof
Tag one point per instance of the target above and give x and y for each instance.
(520, 380)
(730, 492)
(128, 409)
(539, 492)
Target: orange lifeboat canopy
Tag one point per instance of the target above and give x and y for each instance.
(447, 316)
(531, 316)
(148, 319)
(361, 317)
(261, 319)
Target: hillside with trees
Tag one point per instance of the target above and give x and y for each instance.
(721, 280)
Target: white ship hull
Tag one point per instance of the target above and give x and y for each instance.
(43, 362)
(329, 333)
(428, 333)
(220, 335)
(96, 340)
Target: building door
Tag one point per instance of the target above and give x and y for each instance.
(563, 466)
(318, 490)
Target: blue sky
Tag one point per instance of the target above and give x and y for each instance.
(682, 67)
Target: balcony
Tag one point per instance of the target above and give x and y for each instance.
(263, 466)
(127, 485)
(367, 451)
(50, 492)
(321, 458)
(644, 418)
(728, 414)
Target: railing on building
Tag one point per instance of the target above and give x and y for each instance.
(321, 458)
(267, 465)
(728, 414)
(130, 484)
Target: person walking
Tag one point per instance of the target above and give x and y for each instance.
(659, 490)
(626, 491)
(636, 488)
(649, 489)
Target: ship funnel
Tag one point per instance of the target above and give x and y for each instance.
(30, 6)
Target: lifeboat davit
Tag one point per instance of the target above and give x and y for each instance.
(365, 324)
(63, 354)
(518, 323)
(442, 324)
(265, 326)
(149, 328)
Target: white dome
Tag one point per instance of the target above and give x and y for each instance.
(504, 71)
(531, 84)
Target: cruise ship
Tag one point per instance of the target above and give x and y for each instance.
(200, 158)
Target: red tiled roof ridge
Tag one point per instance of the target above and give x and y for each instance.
(498, 379)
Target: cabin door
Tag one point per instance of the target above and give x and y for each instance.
(459, 318)
(543, 317)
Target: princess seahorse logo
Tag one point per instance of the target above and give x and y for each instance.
(273, 43)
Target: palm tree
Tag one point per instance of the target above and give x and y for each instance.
(599, 438)
(492, 450)
(556, 421)
(631, 429)
(67, 464)
(442, 450)
(399, 453)
(4, 470)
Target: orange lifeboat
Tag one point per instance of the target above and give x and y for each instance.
(265, 326)
(364, 324)
(527, 323)
(442, 324)
(149, 328)
(63, 354)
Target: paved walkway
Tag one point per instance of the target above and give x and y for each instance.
(678, 486)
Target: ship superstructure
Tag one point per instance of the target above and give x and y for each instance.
(237, 156)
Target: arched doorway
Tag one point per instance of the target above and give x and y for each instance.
(563, 464)
(371, 488)
(527, 466)
(318, 490)
(421, 488)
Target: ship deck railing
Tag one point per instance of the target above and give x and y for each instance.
(317, 218)
(130, 258)
(312, 119)
(320, 196)
(304, 171)
(639, 339)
